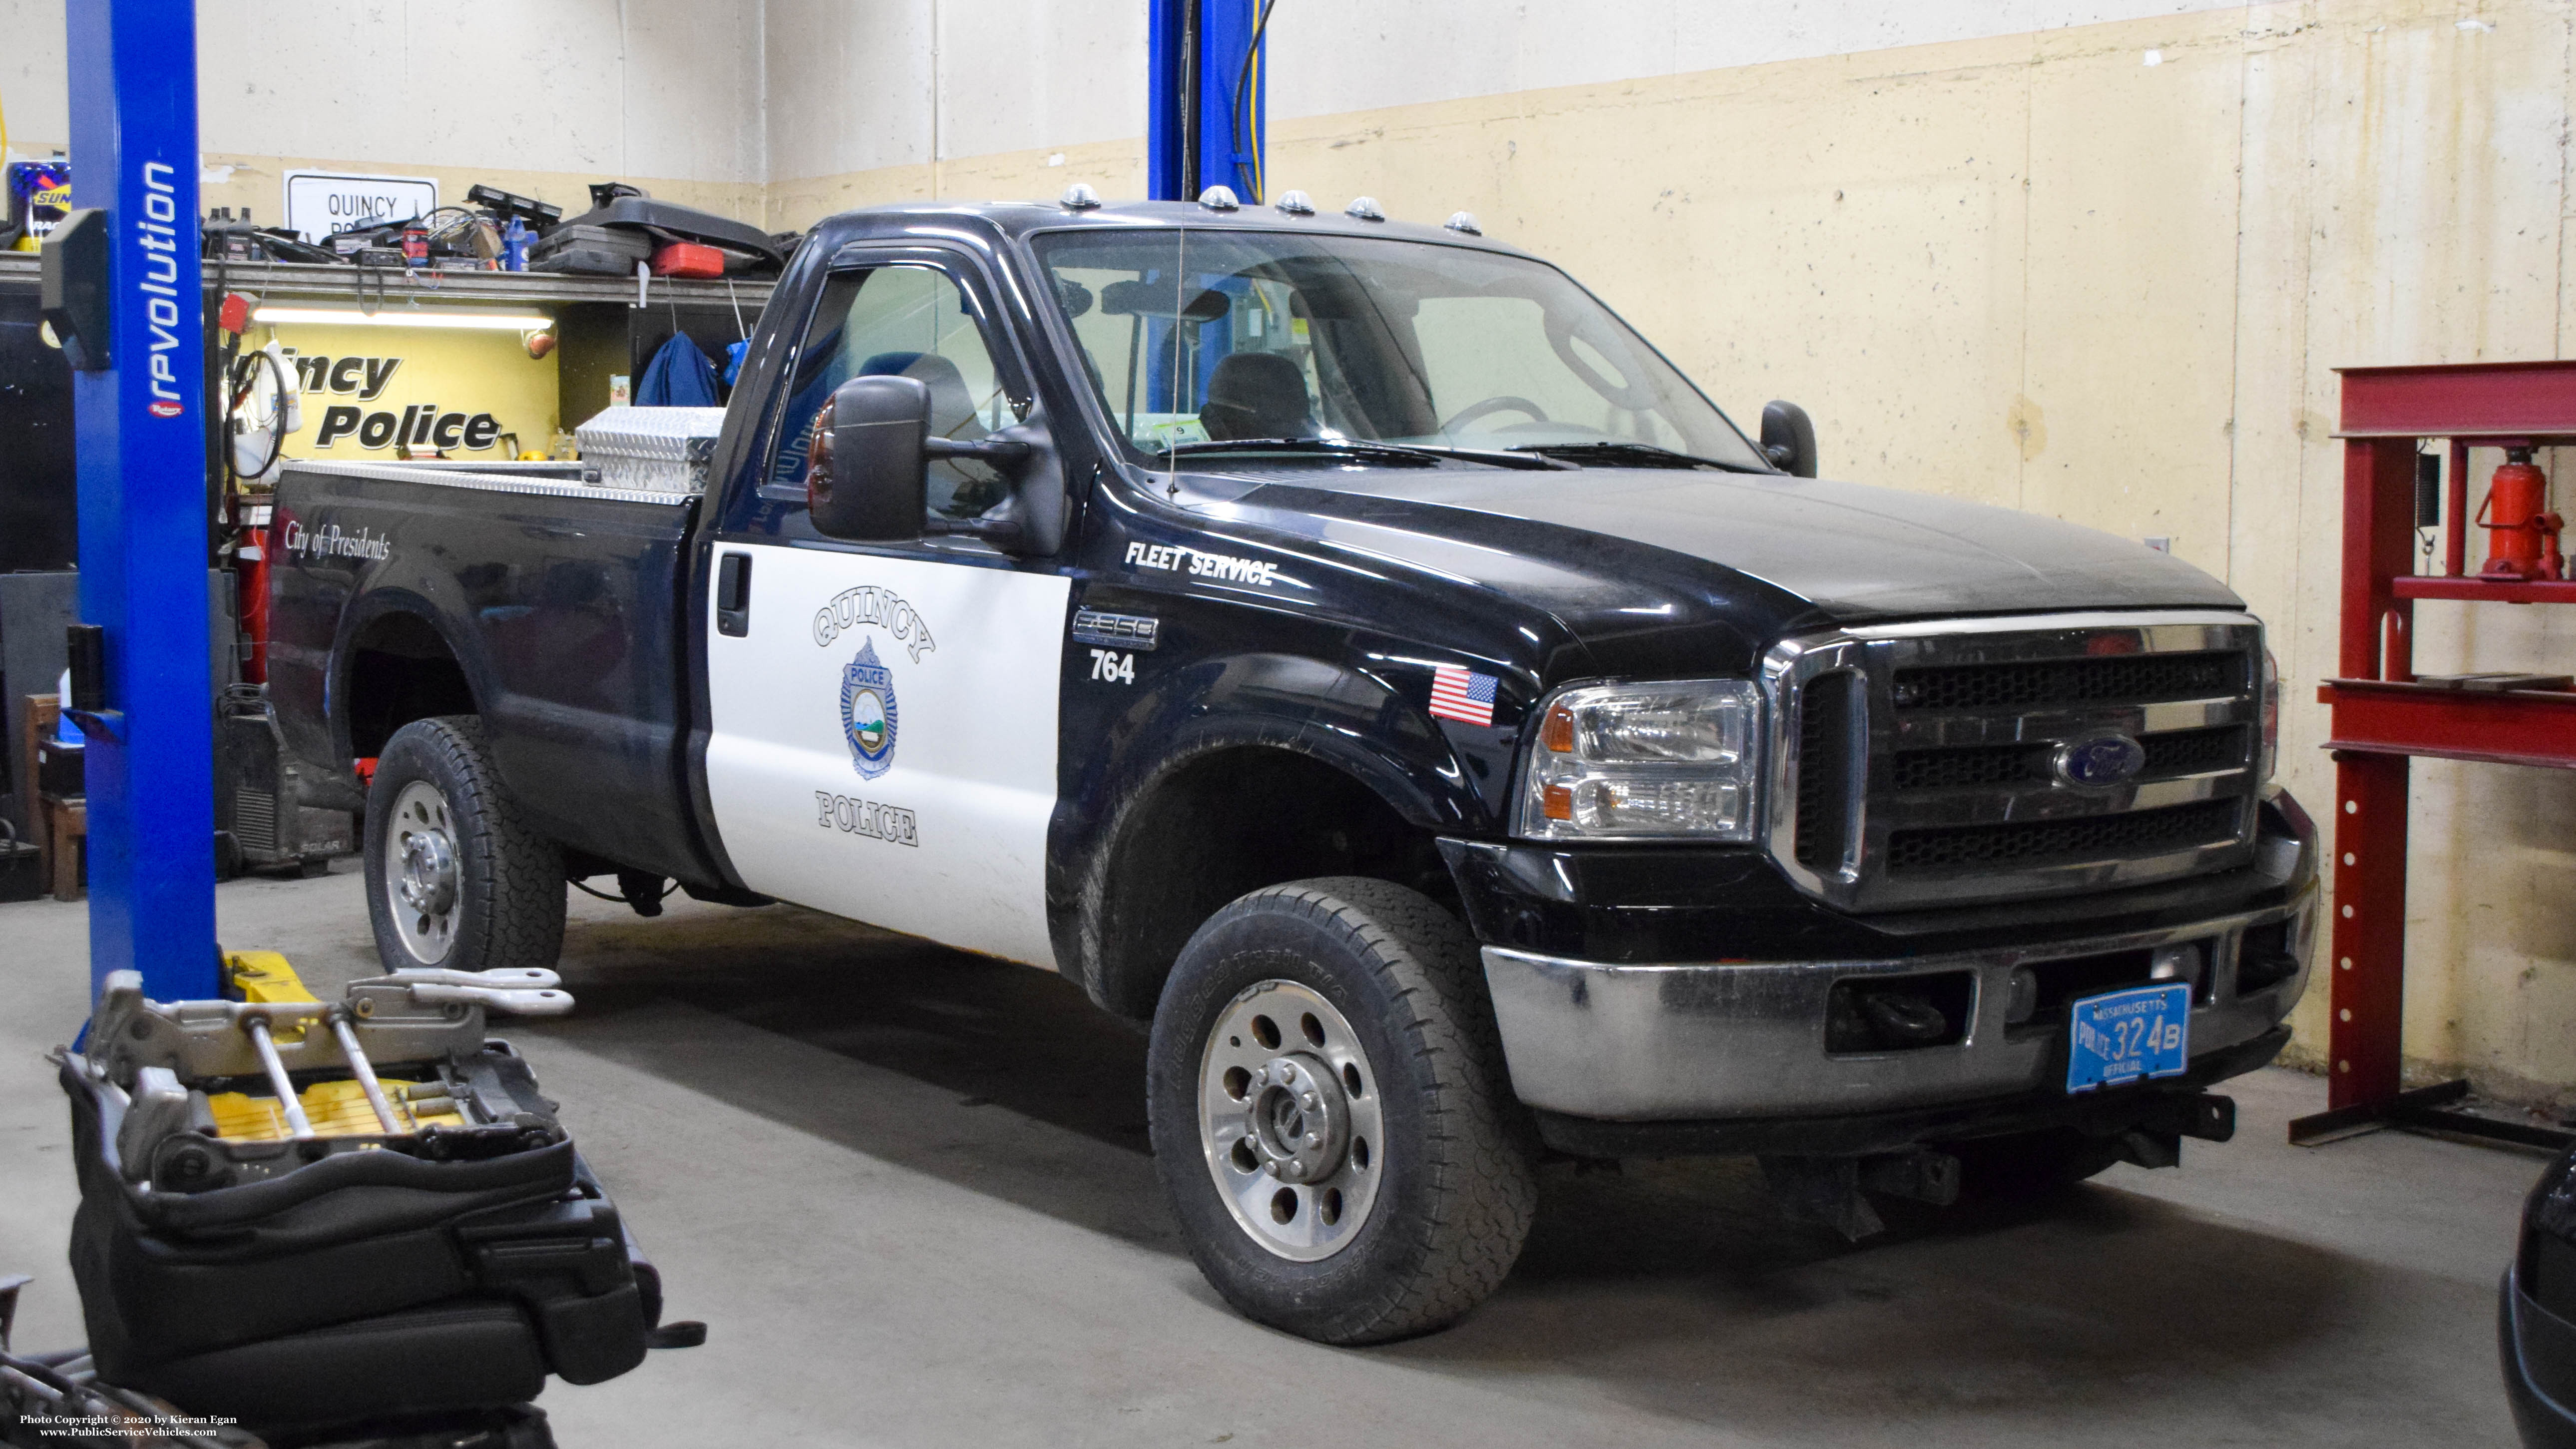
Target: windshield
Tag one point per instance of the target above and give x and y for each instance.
(1197, 337)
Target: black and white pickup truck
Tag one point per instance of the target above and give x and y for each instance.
(1352, 649)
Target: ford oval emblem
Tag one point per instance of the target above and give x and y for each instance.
(2100, 761)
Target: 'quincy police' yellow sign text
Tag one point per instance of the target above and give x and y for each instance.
(373, 389)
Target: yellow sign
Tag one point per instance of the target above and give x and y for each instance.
(373, 392)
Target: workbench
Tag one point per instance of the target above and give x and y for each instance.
(600, 331)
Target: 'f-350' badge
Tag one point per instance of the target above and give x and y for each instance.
(867, 713)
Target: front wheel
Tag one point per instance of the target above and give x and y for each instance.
(1330, 1113)
(455, 878)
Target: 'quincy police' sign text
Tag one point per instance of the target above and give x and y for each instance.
(321, 203)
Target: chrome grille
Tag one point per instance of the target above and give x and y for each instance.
(2133, 832)
(1918, 764)
(1827, 740)
(2136, 679)
(2188, 752)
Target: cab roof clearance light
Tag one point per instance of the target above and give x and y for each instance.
(405, 317)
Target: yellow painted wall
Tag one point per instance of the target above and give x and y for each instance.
(404, 374)
(2039, 271)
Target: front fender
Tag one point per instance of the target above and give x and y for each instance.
(1343, 714)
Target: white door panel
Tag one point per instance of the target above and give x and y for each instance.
(883, 742)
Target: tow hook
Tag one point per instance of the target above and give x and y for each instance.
(2155, 1138)
(2202, 1115)
(2208, 1116)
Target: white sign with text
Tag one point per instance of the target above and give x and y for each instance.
(322, 203)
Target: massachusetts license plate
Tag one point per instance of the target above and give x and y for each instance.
(2126, 1036)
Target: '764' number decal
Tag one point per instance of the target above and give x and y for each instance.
(1113, 666)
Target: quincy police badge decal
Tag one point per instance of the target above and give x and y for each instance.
(868, 717)
(869, 720)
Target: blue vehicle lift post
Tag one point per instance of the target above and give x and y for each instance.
(123, 294)
(1196, 133)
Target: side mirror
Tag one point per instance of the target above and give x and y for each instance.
(866, 479)
(1789, 439)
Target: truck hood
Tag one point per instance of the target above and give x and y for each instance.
(1851, 552)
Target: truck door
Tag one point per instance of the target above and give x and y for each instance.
(883, 718)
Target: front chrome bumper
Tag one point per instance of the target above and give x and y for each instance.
(1725, 1039)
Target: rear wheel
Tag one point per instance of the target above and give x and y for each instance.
(1330, 1113)
(455, 879)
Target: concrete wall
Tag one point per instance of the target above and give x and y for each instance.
(542, 99)
(2095, 258)
(894, 99)
(1333, 56)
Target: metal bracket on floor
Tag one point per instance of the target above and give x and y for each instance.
(2426, 1109)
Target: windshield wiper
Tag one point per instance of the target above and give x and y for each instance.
(1342, 447)
(1520, 458)
(1633, 455)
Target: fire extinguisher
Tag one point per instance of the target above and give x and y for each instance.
(2523, 533)
(254, 561)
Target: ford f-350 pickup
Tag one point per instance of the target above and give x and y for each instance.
(1352, 649)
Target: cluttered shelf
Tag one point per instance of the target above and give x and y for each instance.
(339, 282)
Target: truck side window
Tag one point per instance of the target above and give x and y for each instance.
(905, 320)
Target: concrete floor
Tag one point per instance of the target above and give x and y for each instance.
(909, 1192)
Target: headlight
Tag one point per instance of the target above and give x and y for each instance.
(2271, 716)
(1646, 762)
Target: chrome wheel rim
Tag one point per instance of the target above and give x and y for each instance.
(422, 878)
(1289, 1121)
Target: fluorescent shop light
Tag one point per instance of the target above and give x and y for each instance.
(404, 317)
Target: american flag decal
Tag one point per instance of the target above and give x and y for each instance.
(1462, 694)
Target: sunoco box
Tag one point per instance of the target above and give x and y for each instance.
(39, 193)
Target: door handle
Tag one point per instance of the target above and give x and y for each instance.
(733, 594)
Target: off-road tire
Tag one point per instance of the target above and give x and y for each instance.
(1453, 1207)
(510, 897)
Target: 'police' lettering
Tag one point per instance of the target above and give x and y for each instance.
(891, 824)
(417, 424)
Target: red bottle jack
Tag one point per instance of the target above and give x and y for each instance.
(2523, 533)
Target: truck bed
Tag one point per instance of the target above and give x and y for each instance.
(558, 601)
